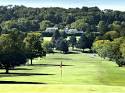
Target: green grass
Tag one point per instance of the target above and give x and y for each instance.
(81, 73)
(49, 38)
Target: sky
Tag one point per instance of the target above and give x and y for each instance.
(102, 4)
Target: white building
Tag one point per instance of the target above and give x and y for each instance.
(73, 31)
(51, 29)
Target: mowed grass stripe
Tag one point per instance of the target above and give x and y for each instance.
(61, 89)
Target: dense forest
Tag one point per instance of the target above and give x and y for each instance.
(38, 19)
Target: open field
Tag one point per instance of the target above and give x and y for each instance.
(49, 38)
(81, 73)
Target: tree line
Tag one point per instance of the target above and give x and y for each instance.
(16, 48)
(114, 50)
(28, 19)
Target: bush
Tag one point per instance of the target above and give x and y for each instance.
(120, 62)
(48, 46)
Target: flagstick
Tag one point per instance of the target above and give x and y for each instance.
(61, 69)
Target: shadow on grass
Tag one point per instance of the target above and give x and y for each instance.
(48, 65)
(61, 58)
(17, 82)
(73, 52)
(23, 74)
(21, 69)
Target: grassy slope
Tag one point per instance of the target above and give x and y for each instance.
(82, 73)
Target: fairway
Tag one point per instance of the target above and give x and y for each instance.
(62, 46)
(79, 73)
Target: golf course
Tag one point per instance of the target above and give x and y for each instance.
(62, 46)
(65, 73)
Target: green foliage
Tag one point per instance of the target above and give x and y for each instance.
(44, 24)
(122, 30)
(90, 38)
(63, 34)
(73, 41)
(25, 25)
(33, 46)
(82, 42)
(0, 30)
(55, 37)
(11, 50)
(86, 40)
(79, 24)
(8, 25)
(47, 46)
(122, 47)
(114, 50)
(22, 24)
(116, 26)
(70, 19)
(62, 45)
(101, 47)
(33, 19)
(102, 27)
(111, 35)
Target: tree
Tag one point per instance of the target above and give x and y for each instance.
(0, 30)
(111, 50)
(47, 46)
(122, 50)
(30, 18)
(101, 47)
(82, 42)
(44, 24)
(111, 35)
(33, 46)
(116, 26)
(25, 25)
(115, 53)
(63, 34)
(62, 45)
(8, 25)
(73, 41)
(79, 24)
(122, 31)
(102, 28)
(70, 19)
(55, 37)
(89, 38)
(11, 50)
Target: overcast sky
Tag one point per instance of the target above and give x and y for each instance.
(102, 4)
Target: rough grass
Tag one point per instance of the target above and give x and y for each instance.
(80, 73)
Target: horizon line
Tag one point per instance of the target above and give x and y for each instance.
(101, 8)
